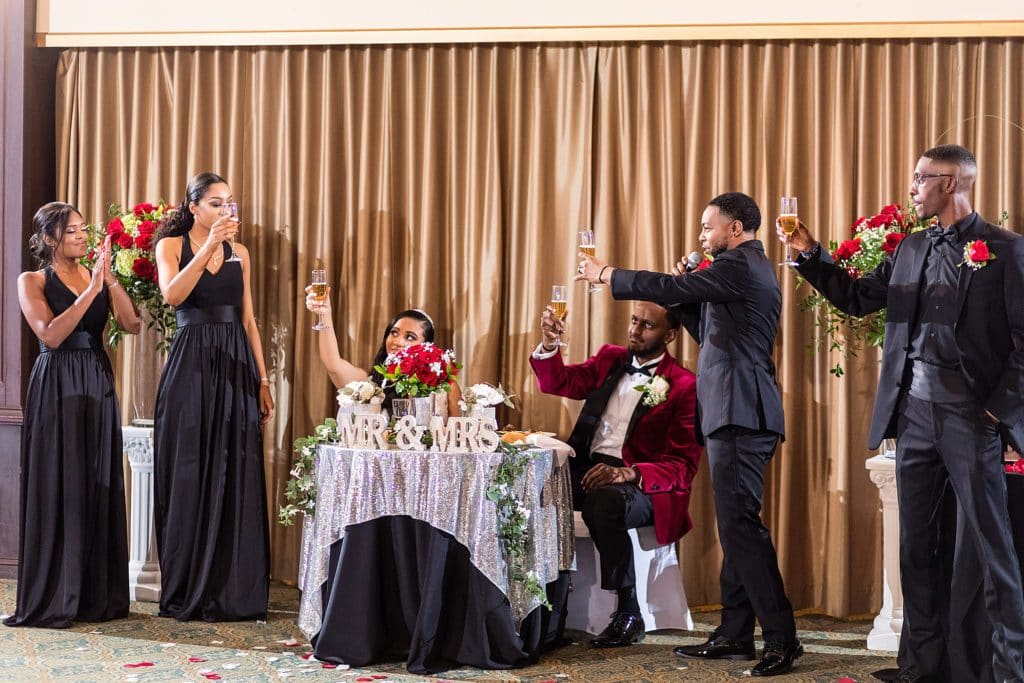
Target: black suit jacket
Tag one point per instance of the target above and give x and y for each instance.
(732, 309)
(989, 327)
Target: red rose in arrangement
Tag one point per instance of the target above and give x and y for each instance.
(132, 239)
(846, 249)
(874, 239)
(892, 240)
(144, 268)
(420, 369)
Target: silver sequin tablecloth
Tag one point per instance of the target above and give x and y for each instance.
(447, 491)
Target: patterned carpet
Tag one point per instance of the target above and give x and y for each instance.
(162, 649)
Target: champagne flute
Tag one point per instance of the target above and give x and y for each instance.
(560, 303)
(589, 247)
(789, 220)
(231, 210)
(319, 285)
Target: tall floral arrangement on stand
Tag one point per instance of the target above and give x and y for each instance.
(873, 239)
(133, 261)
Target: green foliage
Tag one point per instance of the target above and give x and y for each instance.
(300, 489)
(506, 492)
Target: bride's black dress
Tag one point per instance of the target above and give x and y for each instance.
(74, 542)
(211, 509)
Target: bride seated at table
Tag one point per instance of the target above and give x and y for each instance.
(409, 327)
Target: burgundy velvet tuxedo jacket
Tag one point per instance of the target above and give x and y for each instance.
(660, 440)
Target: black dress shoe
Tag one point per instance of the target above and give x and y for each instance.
(778, 658)
(624, 629)
(886, 675)
(717, 647)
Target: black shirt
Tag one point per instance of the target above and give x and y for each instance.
(933, 338)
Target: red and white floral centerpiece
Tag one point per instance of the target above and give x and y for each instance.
(424, 373)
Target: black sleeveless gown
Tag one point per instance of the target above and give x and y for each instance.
(74, 540)
(210, 493)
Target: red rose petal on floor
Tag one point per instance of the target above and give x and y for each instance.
(365, 679)
(195, 660)
(306, 655)
(846, 679)
(138, 665)
(327, 665)
(211, 677)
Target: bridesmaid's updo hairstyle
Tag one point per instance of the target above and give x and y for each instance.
(182, 219)
(48, 226)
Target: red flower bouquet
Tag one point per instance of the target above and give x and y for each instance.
(420, 370)
(874, 238)
(132, 240)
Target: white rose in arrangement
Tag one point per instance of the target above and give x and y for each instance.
(655, 391)
(484, 395)
(360, 391)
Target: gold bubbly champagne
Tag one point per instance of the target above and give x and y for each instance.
(319, 290)
(559, 307)
(789, 222)
(589, 249)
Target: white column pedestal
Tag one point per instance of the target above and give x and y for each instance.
(143, 565)
(886, 632)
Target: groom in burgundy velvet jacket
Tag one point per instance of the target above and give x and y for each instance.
(636, 451)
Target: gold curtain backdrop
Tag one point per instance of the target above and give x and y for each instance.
(455, 178)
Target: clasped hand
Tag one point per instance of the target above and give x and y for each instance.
(605, 475)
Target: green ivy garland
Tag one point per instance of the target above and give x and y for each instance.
(513, 517)
(301, 488)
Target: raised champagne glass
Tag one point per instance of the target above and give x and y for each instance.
(789, 220)
(231, 210)
(589, 247)
(319, 285)
(560, 304)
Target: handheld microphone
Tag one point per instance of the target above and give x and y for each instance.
(693, 260)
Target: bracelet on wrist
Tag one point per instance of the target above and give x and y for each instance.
(264, 380)
(600, 276)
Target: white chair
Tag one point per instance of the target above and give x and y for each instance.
(659, 585)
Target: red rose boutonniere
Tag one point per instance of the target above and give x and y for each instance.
(977, 255)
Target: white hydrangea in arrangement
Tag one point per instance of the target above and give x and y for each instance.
(360, 391)
(484, 396)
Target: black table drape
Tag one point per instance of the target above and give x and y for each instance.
(399, 589)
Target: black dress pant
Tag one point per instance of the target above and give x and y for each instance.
(954, 445)
(750, 581)
(609, 513)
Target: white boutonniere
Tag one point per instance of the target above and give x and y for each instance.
(655, 391)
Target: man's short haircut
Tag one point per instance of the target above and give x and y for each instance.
(739, 207)
(671, 317)
(952, 154)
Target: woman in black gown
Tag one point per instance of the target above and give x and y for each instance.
(74, 547)
(213, 399)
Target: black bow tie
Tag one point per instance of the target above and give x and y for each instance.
(937, 234)
(646, 370)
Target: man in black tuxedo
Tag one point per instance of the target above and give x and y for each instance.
(732, 309)
(951, 386)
